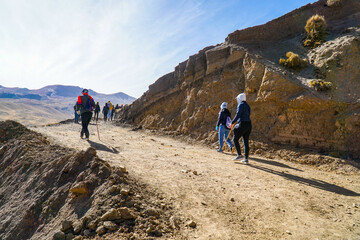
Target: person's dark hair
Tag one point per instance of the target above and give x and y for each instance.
(85, 91)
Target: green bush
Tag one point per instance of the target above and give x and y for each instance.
(293, 61)
(320, 85)
(316, 30)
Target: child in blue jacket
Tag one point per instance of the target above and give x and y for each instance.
(222, 128)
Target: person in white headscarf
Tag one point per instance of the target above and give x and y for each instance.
(223, 127)
(242, 127)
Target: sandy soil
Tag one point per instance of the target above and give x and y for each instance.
(267, 199)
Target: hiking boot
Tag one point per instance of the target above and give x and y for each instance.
(87, 139)
(233, 149)
(245, 161)
(238, 157)
(219, 150)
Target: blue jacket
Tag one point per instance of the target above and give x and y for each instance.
(242, 113)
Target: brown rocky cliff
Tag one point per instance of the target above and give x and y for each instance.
(292, 23)
(285, 108)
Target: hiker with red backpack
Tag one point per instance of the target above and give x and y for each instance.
(85, 105)
(223, 127)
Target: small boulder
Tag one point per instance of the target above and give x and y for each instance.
(92, 225)
(111, 226)
(113, 189)
(77, 227)
(70, 236)
(66, 226)
(152, 212)
(191, 224)
(123, 169)
(150, 229)
(79, 189)
(101, 230)
(110, 215)
(125, 192)
(126, 213)
(87, 232)
(59, 236)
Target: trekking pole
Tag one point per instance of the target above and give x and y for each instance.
(97, 127)
(223, 148)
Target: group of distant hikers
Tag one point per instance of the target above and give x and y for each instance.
(84, 107)
(109, 111)
(241, 124)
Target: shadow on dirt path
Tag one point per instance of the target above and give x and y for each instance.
(310, 182)
(274, 163)
(102, 147)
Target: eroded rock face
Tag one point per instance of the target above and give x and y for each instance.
(285, 108)
(337, 61)
(291, 24)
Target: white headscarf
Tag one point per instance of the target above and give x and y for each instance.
(223, 105)
(241, 98)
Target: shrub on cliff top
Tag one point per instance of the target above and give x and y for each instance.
(316, 29)
(293, 61)
(320, 85)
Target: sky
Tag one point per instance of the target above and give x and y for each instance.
(115, 46)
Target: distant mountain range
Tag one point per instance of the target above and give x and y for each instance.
(49, 104)
(59, 91)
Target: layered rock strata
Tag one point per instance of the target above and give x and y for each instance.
(285, 109)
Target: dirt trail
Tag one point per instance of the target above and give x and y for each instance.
(267, 199)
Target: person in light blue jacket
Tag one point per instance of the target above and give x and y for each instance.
(242, 127)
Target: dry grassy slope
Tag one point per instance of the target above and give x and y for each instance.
(285, 109)
(33, 112)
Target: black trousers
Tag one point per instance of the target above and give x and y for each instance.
(242, 129)
(85, 120)
(96, 116)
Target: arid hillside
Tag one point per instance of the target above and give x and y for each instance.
(50, 104)
(49, 191)
(31, 112)
(287, 107)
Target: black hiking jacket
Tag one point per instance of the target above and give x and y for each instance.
(224, 113)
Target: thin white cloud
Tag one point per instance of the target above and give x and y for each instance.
(105, 45)
(108, 46)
